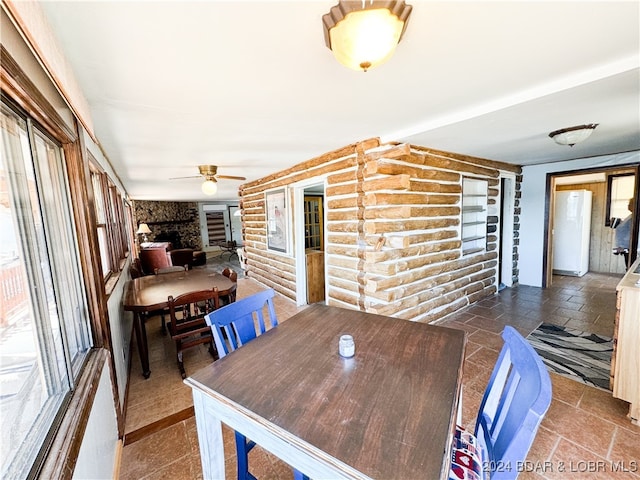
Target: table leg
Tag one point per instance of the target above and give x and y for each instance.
(209, 437)
(141, 340)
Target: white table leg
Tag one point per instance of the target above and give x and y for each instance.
(209, 438)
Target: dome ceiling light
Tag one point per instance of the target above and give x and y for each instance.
(572, 135)
(363, 35)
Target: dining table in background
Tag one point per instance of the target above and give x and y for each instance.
(151, 293)
(387, 412)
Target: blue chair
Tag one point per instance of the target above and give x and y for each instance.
(515, 401)
(233, 326)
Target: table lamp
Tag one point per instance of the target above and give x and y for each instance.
(143, 229)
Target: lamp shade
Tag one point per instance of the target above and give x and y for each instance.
(143, 229)
(363, 35)
(572, 135)
(209, 187)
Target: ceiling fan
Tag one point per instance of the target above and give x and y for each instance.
(210, 175)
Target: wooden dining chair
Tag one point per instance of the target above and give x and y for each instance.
(135, 269)
(231, 297)
(187, 325)
(182, 256)
(232, 326)
(515, 401)
(161, 271)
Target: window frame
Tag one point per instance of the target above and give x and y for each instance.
(111, 223)
(610, 180)
(41, 199)
(58, 460)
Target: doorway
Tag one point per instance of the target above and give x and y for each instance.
(505, 232)
(235, 225)
(310, 254)
(606, 201)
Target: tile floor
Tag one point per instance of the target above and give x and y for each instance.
(585, 434)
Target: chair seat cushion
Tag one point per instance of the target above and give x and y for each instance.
(466, 457)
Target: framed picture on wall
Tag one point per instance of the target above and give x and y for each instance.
(276, 201)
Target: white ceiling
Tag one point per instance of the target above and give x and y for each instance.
(251, 87)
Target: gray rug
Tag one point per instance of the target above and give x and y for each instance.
(581, 356)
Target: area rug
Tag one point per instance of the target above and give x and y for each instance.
(581, 356)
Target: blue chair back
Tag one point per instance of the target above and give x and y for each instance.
(236, 322)
(516, 399)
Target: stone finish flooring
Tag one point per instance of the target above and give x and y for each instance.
(585, 434)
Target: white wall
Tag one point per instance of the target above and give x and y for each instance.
(96, 458)
(532, 206)
(121, 323)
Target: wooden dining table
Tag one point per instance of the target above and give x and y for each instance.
(387, 412)
(151, 293)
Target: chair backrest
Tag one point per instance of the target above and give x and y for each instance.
(242, 258)
(135, 269)
(182, 256)
(516, 399)
(187, 311)
(235, 322)
(152, 258)
(230, 274)
(175, 268)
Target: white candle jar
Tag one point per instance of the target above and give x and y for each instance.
(347, 346)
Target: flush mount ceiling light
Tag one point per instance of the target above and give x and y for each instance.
(362, 34)
(572, 135)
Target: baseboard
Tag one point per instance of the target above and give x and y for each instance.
(158, 425)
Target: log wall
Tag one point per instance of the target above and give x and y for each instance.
(392, 230)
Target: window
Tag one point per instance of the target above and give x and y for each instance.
(44, 329)
(215, 228)
(474, 215)
(113, 227)
(619, 192)
(313, 237)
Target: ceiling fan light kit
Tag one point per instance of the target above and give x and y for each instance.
(209, 187)
(572, 135)
(364, 34)
(210, 174)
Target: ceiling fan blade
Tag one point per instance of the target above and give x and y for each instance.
(230, 177)
(180, 178)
